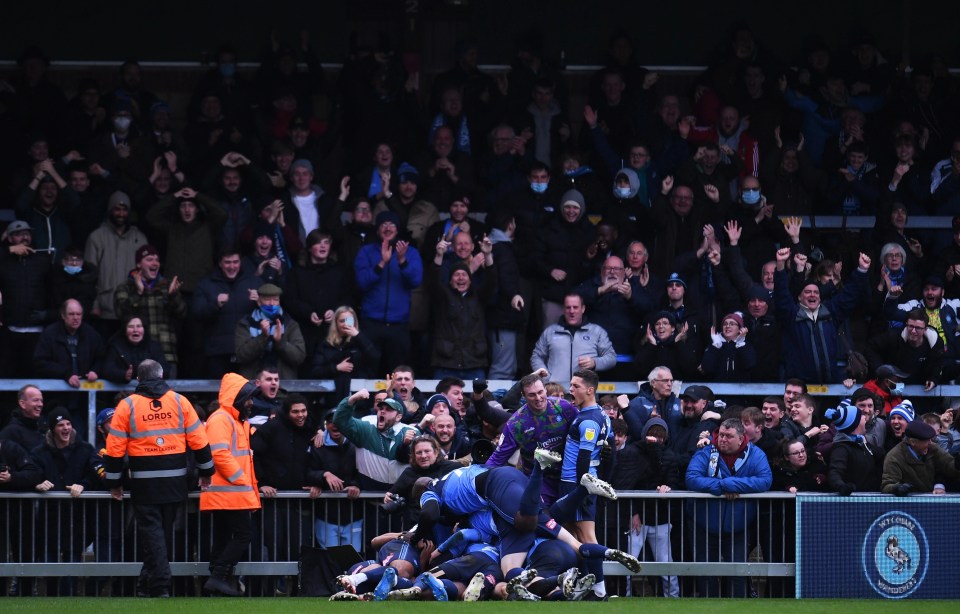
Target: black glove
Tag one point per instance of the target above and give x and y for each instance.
(845, 490)
(902, 490)
(606, 452)
(479, 385)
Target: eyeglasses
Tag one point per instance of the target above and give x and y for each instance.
(915, 328)
(665, 381)
(797, 453)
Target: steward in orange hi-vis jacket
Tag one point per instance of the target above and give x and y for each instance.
(153, 427)
(232, 493)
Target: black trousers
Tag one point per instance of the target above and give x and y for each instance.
(231, 537)
(155, 533)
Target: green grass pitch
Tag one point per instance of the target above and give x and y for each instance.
(80, 605)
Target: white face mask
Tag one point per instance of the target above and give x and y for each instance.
(122, 123)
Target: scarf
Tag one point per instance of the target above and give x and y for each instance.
(463, 132)
(256, 331)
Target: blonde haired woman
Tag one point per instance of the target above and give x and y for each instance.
(345, 353)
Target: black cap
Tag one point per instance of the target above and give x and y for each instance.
(918, 429)
(888, 371)
(698, 393)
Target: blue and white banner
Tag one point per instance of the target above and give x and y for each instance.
(878, 547)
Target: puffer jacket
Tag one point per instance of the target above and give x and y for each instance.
(234, 482)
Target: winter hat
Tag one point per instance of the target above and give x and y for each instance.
(269, 290)
(433, 400)
(736, 317)
(119, 198)
(652, 422)
(573, 197)
(16, 226)
(846, 416)
(104, 415)
(904, 410)
(758, 292)
(407, 173)
(675, 278)
(460, 266)
(58, 415)
(388, 216)
(262, 228)
(144, 251)
(302, 163)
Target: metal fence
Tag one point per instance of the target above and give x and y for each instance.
(54, 544)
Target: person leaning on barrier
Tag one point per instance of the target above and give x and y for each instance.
(333, 466)
(153, 428)
(727, 468)
(916, 465)
(232, 493)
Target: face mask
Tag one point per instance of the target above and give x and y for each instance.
(121, 123)
(621, 192)
(750, 197)
(271, 311)
(897, 389)
(72, 270)
(228, 70)
(538, 188)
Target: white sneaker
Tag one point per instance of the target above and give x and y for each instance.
(547, 458)
(347, 584)
(582, 586)
(404, 594)
(522, 578)
(345, 596)
(522, 593)
(627, 560)
(474, 588)
(567, 580)
(596, 486)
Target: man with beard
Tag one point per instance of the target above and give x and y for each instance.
(868, 404)
(377, 444)
(856, 463)
(111, 247)
(281, 452)
(941, 317)
(698, 417)
(155, 299)
(453, 442)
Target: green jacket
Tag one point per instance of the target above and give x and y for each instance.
(902, 466)
(366, 435)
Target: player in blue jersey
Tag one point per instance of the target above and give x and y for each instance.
(551, 573)
(396, 558)
(471, 574)
(588, 434)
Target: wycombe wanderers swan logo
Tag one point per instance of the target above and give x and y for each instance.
(895, 555)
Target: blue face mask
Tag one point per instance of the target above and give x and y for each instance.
(72, 270)
(538, 188)
(897, 389)
(750, 197)
(271, 311)
(621, 192)
(228, 70)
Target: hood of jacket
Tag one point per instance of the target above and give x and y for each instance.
(152, 388)
(632, 177)
(231, 386)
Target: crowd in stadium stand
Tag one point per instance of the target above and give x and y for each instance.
(284, 226)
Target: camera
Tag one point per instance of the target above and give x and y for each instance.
(395, 504)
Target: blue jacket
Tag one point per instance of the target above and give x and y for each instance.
(386, 292)
(811, 349)
(641, 409)
(709, 474)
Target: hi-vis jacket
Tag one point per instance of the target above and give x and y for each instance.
(234, 484)
(153, 427)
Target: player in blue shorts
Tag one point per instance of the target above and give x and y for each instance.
(588, 433)
(470, 575)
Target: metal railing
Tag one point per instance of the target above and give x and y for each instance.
(93, 537)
